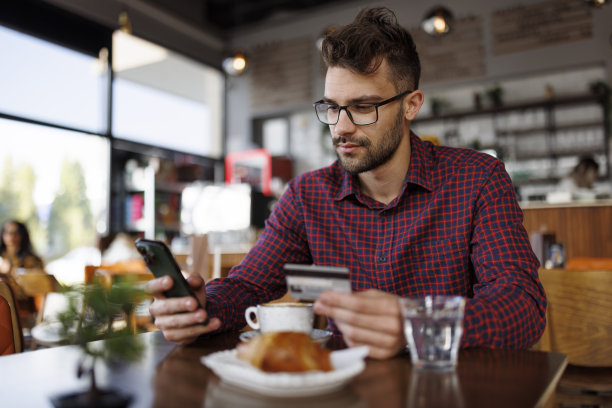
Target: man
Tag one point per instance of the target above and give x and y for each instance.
(407, 218)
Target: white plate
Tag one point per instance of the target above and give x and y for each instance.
(318, 335)
(347, 364)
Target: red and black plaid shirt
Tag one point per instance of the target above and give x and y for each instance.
(455, 229)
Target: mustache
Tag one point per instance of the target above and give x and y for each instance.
(356, 141)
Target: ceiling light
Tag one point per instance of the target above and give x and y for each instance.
(125, 24)
(235, 65)
(597, 3)
(437, 21)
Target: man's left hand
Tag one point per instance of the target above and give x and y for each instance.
(371, 318)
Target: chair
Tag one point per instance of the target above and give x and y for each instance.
(11, 335)
(135, 269)
(579, 324)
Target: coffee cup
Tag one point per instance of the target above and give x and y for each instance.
(281, 316)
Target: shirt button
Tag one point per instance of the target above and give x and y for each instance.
(382, 259)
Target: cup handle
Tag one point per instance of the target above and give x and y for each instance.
(247, 315)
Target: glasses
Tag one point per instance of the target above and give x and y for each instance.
(360, 114)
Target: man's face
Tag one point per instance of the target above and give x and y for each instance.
(364, 148)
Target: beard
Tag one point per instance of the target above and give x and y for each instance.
(375, 154)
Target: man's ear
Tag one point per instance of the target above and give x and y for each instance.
(412, 104)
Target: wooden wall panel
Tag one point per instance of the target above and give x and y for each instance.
(583, 230)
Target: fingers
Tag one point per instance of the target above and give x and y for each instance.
(156, 287)
(370, 318)
(186, 335)
(180, 319)
(195, 280)
(382, 345)
(363, 307)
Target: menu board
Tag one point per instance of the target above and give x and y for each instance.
(539, 25)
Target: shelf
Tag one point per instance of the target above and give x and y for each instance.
(169, 187)
(516, 106)
(555, 153)
(545, 125)
(553, 128)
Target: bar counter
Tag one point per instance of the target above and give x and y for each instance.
(583, 227)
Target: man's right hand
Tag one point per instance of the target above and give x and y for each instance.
(180, 319)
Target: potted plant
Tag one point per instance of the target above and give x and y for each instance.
(495, 95)
(438, 105)
(92, 315)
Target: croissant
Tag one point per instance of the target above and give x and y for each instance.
(285, 352)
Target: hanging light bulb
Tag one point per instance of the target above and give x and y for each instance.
(125, 24)
(437, 22)
(597, 3)
(235, 65)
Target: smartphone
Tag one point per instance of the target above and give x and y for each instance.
(307, 282)
(161, 262)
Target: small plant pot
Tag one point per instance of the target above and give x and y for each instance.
(103, 398)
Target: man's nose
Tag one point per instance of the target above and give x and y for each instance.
(345, 124)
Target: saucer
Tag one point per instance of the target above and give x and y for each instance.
(318, 335)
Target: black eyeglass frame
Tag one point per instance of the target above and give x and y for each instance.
(348, 112)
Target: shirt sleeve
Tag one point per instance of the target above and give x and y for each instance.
(259, 278)
(508, 306)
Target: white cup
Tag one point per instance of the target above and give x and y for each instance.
(281, 316)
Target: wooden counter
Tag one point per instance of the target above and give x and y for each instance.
(584, 228)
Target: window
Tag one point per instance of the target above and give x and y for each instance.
(54, 161)
(45, 82)
(60, 193)
(163, 99)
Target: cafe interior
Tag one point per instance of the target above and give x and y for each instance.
(182, 121)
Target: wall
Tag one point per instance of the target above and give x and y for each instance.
(187, 36)
(595, 51)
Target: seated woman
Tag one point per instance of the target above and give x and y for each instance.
(16, 256)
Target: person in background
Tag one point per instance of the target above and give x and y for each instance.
(406, 217)
(582, 177)
(18, 256)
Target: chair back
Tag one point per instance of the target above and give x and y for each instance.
(11, 335)
(579, 315)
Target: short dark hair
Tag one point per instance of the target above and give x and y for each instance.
(585, 163)
(372, 37)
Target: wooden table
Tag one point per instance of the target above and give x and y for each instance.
(173, 376)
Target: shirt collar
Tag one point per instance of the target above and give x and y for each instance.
(419, 172)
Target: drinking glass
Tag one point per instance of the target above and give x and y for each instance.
(433, 326)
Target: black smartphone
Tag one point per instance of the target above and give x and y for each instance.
(161, 262)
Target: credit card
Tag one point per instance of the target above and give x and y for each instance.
(307, 282)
